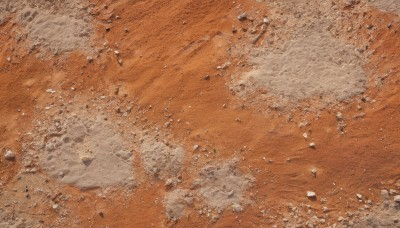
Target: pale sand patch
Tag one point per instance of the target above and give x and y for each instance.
(386, 5)
(315, 65)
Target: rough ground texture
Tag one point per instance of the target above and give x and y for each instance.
(171, 73)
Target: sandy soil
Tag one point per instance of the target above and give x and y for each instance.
(161, 111)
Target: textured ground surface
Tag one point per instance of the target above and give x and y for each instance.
(153, 92)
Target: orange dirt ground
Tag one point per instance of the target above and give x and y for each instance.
(168, 50)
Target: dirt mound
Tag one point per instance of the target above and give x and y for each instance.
(61, 26)
(386, 5)
(222, 185)
(176, 203)
(86, 152)
(160, 159)
(310, 66)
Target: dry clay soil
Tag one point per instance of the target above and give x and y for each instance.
(181, 141)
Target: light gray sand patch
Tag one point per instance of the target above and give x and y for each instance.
(176, 203)
(86, 152)
(386, 5)
(222, 185)
(56, 26)
(311, 66)
(159, 159)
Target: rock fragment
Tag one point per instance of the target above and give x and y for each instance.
(237, 207)
(339, 116)
(384, 194)
(397, 199)
(10, 156)
(242, 16)
(311, 195)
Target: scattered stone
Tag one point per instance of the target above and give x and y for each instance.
(9, 155)
(169, 183)
(305, 135)
(242, 16)
(358, 116)
(359, 197)
(393, 192)
(196, 147)
(89, 59)
(311, 195)
(237, 207)
(397, 199)
(285, 220)
(312, 145)
(339, 116)
(9, 59)
(314, 172)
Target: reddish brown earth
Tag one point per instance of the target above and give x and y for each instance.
(168, 50)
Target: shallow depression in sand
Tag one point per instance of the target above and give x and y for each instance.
(314, 65)
(86, 152)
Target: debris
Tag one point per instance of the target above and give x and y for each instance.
(314, 172)
(169, 183)
(311, 195)
(339, 116)
(9, 155)
(237, 207)
(196, 147)
(242, 16)
(397, 199)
